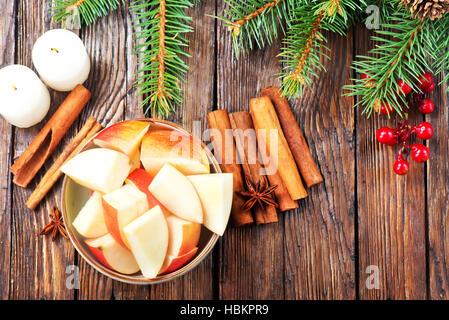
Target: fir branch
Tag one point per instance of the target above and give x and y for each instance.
(301, 54)
(305, 43)
(160, 25)
(400, 54)
(235, 26)
(256, 21)
(438, 42)
(77, 12)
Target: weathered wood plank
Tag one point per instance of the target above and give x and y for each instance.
(125, 291)
(438, 196)
(38, 265)
(251, 258)
(107, 43)
(391, 211)
(319, 236)
(7, 51)
(198, 101)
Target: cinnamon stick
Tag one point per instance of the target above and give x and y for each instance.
(225, 153)
(90, 128)
(242, 126)
(295, 139)
(266, 121)
(33, 158)
(283, 197)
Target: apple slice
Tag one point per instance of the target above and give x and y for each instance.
(112, 255)
(121, 207)
(99, 169)
(142, 179)
(148, 240)
(124, 136)
(177, 194)
(173, 263)
(135, 160)
(169, 146)
(90, 220)
(183, 235)
(215, 191)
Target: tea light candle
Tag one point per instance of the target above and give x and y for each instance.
(61, 59)
(24, 99)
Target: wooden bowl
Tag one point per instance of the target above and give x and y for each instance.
(74, 196)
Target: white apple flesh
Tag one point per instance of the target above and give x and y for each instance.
(99, 169)
(90, 220)
(215, 191)
(148, 239)
(121, 207)
(112, 255)
(177, 194)
(183, 235)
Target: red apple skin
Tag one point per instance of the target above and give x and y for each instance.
(180, 261)
(142, 179)
(111, 221)
(121, 136)
(161, 141)
(98, 254)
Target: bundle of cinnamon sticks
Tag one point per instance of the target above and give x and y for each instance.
(269, 147)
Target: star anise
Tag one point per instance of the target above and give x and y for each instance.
(56, 226)
(259, 193)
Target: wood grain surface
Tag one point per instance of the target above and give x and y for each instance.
(363, 220)
(319, 236)
(391, 211)
(437, 188)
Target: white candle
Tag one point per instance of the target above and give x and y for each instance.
(61, 59)
(24, 99)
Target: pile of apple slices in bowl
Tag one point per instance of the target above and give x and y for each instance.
(140, 201)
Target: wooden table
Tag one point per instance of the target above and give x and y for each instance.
(362, 221)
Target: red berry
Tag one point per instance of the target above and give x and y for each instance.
(426, 106)
(405, 88)
(386, 136)
(425, 80)
(429, 88)
(365, 76)
(401, 167)
(385, 108)
(424, 130)
(420, 153)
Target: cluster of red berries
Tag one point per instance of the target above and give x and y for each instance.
(401, 134)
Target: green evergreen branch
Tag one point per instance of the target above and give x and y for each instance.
(304, 45)
(160, 25)
(400, 54)
(439, 38)
(301, 53)
(78, 12)
(256, 22)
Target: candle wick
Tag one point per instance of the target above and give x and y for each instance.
(14, 87)
(54, 49)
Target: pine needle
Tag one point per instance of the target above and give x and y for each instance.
(256, 22)
(77, 12)
(305, 45)
(160, 28)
